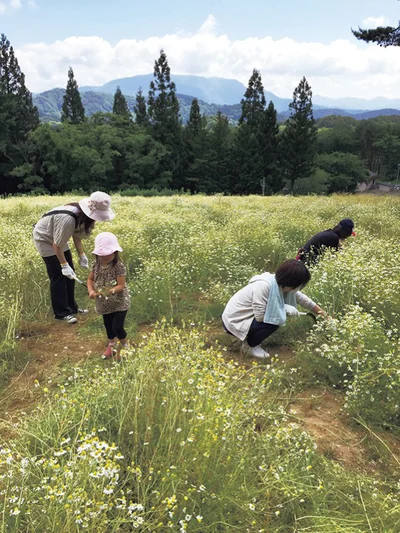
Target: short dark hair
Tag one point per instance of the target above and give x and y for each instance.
(344, 229)
(292, 273)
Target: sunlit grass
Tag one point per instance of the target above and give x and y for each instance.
(178, 438)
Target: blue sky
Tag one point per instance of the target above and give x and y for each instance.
(310, 20)
(285, 39)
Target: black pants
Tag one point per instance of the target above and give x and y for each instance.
(258, 332)
(114, 324)
(62, 289)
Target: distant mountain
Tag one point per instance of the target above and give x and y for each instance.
(49, 104)
(357, 114)
(375, 113)
(357, 103)
(211, 90)
(221, 91)
(230, 92)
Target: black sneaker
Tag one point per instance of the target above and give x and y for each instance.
(71, 319)
(83, 311)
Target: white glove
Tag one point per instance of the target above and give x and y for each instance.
(84, 261)
(67, 271)
(291, 310)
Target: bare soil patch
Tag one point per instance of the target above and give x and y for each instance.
(49, 348)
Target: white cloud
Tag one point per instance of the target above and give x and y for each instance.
(374, 22)
(209, 25)
(341, 68)
(12, 5)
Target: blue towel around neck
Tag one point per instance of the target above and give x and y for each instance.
(275, 311)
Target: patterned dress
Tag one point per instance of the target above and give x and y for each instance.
(104, 279)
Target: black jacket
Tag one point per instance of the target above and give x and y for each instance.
(316, 245)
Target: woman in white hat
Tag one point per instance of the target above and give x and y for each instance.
(51, 235)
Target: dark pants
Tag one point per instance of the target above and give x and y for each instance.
(61, 288)
(114, 324)
(258, 332)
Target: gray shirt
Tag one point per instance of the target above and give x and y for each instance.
(58, 229)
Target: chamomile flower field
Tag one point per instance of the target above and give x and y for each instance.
(186, 435)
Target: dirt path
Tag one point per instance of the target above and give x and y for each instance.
(49, 348)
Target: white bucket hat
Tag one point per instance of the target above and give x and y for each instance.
(98, 206)
(106, 243)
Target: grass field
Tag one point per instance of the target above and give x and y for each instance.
(185, 434)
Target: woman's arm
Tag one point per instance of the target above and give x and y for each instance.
(63, 230)
(59, 253)
(306, 302)
(317, 310)
(78, 244)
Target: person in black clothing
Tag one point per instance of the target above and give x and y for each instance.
(329, 238)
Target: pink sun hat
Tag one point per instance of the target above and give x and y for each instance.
(98, 206)
(106, 243)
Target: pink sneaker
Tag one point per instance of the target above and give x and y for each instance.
(108, 352)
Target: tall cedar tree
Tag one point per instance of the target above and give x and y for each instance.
(140, 109)
(72, 108)
(299, 140)
(248, 160)
(270, 150)
(18, 115)
(196, 122)
(253, 103)
(196, 145)
(219, 159)
(163, 110)
(120, 106)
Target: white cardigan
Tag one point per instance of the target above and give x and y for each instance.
(251, 302)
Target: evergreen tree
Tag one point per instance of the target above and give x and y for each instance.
(18, 115)
(22, 114)
(120, 106)
(299, 140)
(196, 122)
(162, 103)
(72, 108)
(140, 109)
(253, 103)
(383, 35)
(196, 145)
(270, 150)
(219, 158)
(163, 110)
(248, 161)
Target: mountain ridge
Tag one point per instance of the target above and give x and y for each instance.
(49, 104)
(228, 91)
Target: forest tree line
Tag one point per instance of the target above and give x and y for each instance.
(153, 149)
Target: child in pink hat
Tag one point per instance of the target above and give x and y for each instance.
(107, 285)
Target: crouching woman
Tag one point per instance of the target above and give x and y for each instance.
(259, 308)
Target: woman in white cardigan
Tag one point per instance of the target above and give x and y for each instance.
(259, 308)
